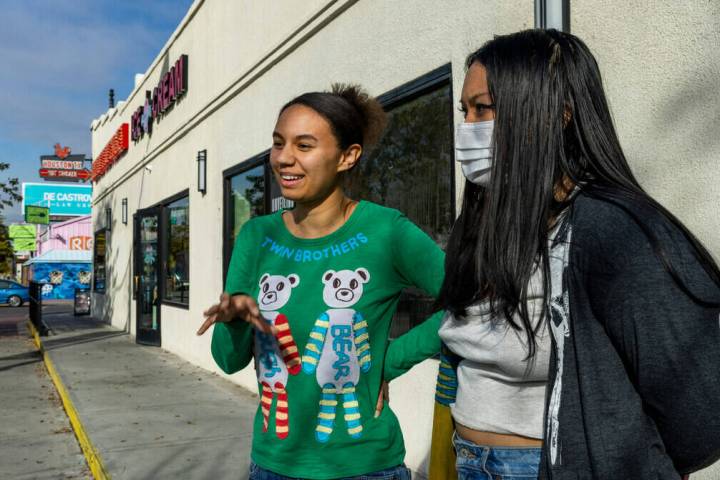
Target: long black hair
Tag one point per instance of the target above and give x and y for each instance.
(552, 124)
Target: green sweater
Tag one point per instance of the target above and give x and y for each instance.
(331, 300)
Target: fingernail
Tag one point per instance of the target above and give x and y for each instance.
(377, 414)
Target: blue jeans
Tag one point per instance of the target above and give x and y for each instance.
(401, 472)
(476, 462)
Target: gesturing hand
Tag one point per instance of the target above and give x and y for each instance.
(231, 307)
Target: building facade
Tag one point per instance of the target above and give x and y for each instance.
(172, 187)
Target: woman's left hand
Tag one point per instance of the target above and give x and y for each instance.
(383, 397)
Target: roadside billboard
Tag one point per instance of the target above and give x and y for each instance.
(62, 199)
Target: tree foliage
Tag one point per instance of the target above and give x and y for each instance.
(9, 190)
(9, 195)
(6, 250)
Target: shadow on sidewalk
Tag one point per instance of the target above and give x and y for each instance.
(15, 365)
(32, 354)
(5, 368)
(61, 323)
(55, 343)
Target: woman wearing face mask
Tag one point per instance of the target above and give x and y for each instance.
(320, 284)
(582, 323)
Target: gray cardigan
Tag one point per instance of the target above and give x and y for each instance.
(639, 382)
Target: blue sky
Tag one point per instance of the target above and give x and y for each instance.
(58, 59)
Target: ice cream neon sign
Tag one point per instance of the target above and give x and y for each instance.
(172, 86)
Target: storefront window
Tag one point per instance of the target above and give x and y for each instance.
(247, 198)
(250, 191)
(177, 278)
(411, 169)
(99, 272)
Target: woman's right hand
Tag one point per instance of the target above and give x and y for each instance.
(231, 307)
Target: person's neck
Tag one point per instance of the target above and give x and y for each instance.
(321, 217)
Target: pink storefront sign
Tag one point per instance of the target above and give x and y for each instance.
(75, 234)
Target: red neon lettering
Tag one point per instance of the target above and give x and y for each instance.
(156, 103)
(165, 89)
(180, 75)
(171, 84)
(117, 145)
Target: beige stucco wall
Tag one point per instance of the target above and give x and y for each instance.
(661, 66)
(660, 62)
(245, 60)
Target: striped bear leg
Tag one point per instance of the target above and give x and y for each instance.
(326, 416)
(352, 411)
(288, 347)
(282, 417)
(265, 403)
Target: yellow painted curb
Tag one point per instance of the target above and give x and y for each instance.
(91, 454)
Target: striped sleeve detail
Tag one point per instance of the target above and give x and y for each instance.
(446, 385)
(362, 342)
(288, 348)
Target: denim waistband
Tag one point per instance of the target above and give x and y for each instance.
(497, 461)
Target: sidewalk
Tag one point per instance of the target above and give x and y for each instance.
(36, 441)
(149, 414)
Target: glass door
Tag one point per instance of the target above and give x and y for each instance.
(147, 275)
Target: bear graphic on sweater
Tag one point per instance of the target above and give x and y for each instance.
(276, 355)
(338, 350)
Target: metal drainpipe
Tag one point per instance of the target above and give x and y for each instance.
(552, 14)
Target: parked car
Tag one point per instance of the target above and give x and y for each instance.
(13, 293)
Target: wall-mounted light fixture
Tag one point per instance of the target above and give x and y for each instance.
(124, 211)
(108, 218)
(202, 171)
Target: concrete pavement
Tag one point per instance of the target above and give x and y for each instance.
(149, 414)
(36, 441)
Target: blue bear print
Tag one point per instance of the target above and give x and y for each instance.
(338, 350)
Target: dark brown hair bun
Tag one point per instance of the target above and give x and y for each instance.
(374, 117)
(354, 116)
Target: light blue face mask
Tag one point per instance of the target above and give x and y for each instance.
(474, 151)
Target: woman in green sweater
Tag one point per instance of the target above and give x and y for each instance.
(312, 291)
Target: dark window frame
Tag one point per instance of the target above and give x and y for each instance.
(104, 231)
(163, 238)
(405, 93)
(409, 91)
(262, 158)
(133, 266)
